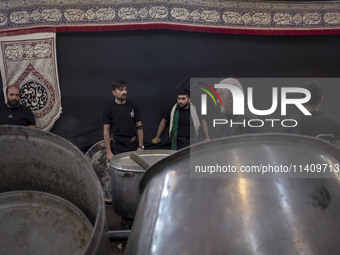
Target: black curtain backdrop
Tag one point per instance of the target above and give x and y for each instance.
(156, 63)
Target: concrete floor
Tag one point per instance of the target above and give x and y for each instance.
(114, 223)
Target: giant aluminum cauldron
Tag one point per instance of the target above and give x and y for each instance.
(251, 214)
(126, 174)
(51, 201)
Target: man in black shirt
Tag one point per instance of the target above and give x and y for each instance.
(184, 121)
(13, 113)
(122, 123)
(319, 124)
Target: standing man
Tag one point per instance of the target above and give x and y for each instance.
(237, 124)
(319, 124)
(182, 116)
(122, 123)
(14, 113)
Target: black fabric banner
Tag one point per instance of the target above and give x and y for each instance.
(156, 63)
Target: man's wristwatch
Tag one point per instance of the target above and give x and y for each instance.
(141, 146)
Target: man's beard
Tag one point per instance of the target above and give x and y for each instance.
(183, 106)
(13, 103)
(122, 98)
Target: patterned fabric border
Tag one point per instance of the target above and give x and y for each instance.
(253, 17)
(29, 62)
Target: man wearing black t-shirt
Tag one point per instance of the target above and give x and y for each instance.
(184, 121)
(13, 113)
(318, 124)
(123, 129)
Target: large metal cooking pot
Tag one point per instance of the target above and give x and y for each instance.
(37, 219)
(35, 160)
(179, 214)
(126, 174)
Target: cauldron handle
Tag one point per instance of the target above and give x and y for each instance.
(139, 160)
(124, 174)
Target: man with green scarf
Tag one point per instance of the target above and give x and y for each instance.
(184, 123)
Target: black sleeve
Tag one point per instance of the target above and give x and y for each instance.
(31, 119)
(138, 116)
(107, 115)
(167, 112)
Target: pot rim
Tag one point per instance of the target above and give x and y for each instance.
(283, 138)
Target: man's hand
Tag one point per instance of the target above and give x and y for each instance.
(156, 140)
(109, 155)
